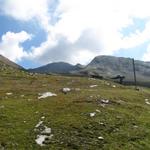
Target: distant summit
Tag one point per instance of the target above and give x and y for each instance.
(56, 67)
(110, 66)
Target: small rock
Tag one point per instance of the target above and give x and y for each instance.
(100, 138)
(147, 101)
(8, 94)
(98, 110)
(101, 123)
(114, 86)
(92, 86)
(43, 117)
(105, 101)
(135, 126)
(66, 90)
(92, 114)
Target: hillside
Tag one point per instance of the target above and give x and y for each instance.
(4, 62)
(94, 114)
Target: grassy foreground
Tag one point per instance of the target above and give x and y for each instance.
(107, 116)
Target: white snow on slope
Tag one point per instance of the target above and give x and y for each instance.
(46, 94)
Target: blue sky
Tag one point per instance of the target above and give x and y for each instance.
(37, 32)
(137, 51)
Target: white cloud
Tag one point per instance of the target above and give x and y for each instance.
(26, 10)
(85, 28)
(146, 56)
(106, 18)
(103, 18)
(10, 45)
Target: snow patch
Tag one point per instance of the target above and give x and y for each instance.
(46, 94)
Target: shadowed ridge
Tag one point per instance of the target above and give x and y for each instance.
(6, 61)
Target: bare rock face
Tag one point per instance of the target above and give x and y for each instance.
(110, 65)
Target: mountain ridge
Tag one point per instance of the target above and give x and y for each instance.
(101, 66)
(101, 62)
(56, 67)
(104, 67)
(5, 61)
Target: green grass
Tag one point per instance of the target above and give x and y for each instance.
(124, 123)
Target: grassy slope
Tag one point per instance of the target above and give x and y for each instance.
(124, 123)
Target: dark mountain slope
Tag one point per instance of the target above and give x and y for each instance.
(4, 62)
(57, 67)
